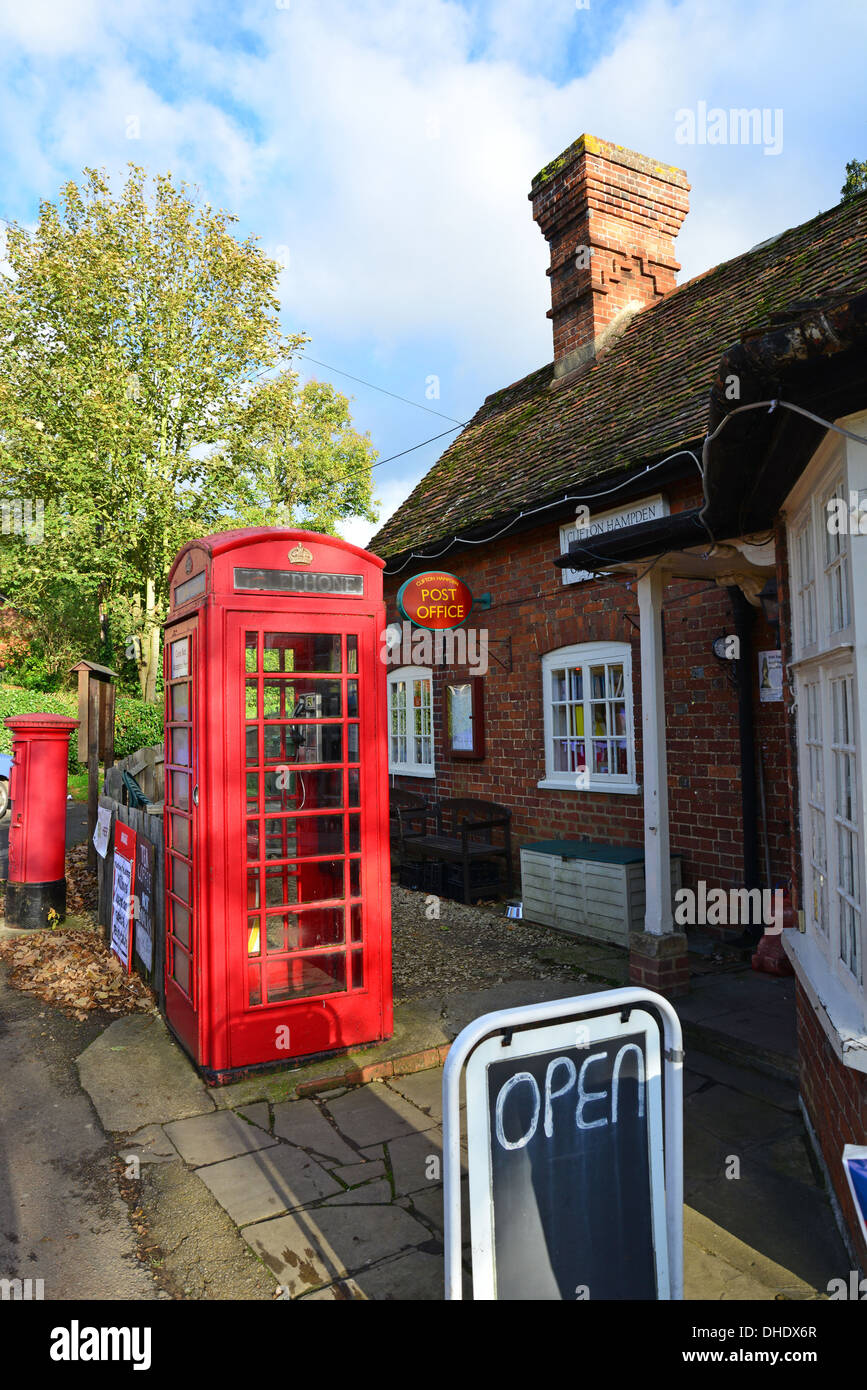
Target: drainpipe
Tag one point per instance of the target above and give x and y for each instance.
(744, 616)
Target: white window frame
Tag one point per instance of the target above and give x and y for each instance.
(411, 767)
(838, 995)
(587, 654)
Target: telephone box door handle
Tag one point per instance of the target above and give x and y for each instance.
(196, 794)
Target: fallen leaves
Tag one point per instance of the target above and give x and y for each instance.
(73, 970)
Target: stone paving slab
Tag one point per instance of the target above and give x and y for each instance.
(425, 1089)
(212, 1138)
(416, 1277)
(429, 1205)
(739, 1120)
(136, 1075)
(373, 1114)
(301, 1122)
(260, 1185)
(313, 1248)
(149, 1145)
(369, 1194)
(416, 1161)
(354, 1173)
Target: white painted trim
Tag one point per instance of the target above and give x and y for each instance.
(408, 673)
(553, 785)
(658, 917)
(833, 1005)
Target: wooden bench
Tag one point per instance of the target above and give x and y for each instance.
(464, 838)
(407, 820)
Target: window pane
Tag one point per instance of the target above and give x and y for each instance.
(181, 969)
(292, 931)
(180, 875)
(302, 698)
(250, 651)
(180, 702)
(352, 654)
(181, 790)
(306, 975)
(251, 699)
(180, 658)
(597, 682)
(355, 922)
(252, 841)
(306, 882)
(286, 651)
(355, 878)
(180, 747)
(252, 745)
(254, 943)
(180, 922)
(304, 836)
(180, 835)
(290, 788)
(252, 792)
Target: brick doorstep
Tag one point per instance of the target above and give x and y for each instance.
(406, 1065)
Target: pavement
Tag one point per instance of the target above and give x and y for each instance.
(296, 1185)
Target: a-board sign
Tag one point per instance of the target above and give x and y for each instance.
(122, 885)
(855, 1167)
(144, 901)
(568, 1136)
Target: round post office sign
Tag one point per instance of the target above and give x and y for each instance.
(435, 600)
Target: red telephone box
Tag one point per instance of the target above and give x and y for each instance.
(278, 919)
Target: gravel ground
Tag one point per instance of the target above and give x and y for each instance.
(466, 947)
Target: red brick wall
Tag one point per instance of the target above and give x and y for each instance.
(539, 613)
(836, 1100)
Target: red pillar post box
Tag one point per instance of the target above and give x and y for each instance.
(37, 834)
(278, 941)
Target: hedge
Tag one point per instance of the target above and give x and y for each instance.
(136, 724)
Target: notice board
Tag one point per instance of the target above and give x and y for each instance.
(122, 887)
(567, 1189)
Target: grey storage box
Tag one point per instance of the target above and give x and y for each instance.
(589, 889)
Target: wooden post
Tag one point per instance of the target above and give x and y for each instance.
(92, 768)
(657, 862)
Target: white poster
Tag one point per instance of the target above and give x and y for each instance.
(102, 831)
(770, 676)
(121, 908)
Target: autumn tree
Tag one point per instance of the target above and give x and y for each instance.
(147, 396)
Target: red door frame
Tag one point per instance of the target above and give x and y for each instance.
(336, 1020)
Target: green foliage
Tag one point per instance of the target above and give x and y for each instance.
(137, 723)
(856, 180)
(135, 333)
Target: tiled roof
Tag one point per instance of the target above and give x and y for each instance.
(644, 398)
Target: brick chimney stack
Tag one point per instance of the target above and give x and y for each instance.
(610, 217)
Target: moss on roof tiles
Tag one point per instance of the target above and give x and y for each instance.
(643, 399)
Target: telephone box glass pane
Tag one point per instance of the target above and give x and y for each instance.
(251, 649)
(254, 944)
(252, 841)
(311, 834)
(354, 834)
(254, 984)
(355, 922)
(301, 651)
(280, 842)
(180, 701)
(353, 788)
(352, 654)
(302, 698)
(180, 922)
(303, 790)
(181, 790)
(352, 699)
(180, 746)
(307, 882)
(355, 878)
(251, 699)
(180, 828)
(291, 931)
(252, 746)
(352, 741)
(306, 975)
(357, 970)
(181, 969)
(180, 663)
(252, 792)
(180, 885)
(252, 887)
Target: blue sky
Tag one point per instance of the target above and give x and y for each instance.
(383, 149)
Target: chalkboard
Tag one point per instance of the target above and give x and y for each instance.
(567, 1195)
